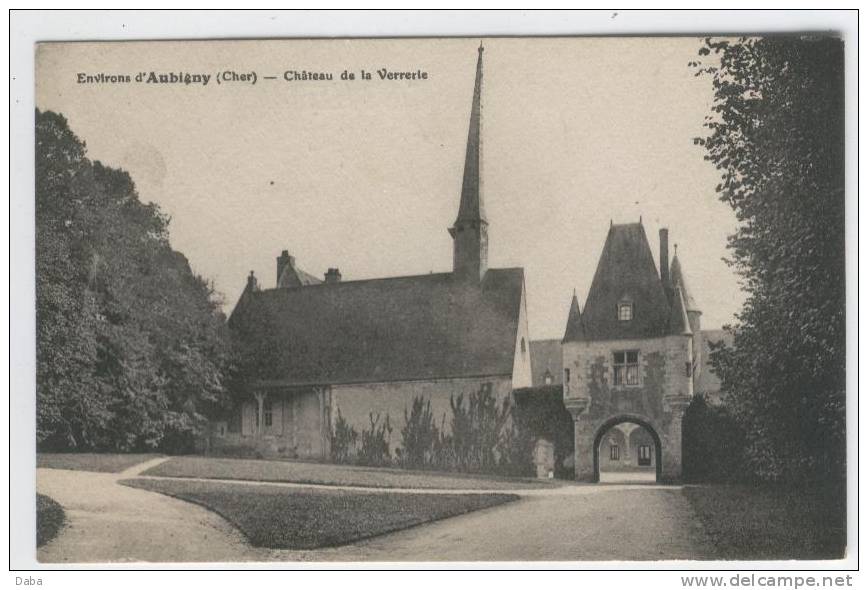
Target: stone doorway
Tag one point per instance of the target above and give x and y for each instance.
(627, 450)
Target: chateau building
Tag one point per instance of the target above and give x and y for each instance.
(358, 349)
(632, 360)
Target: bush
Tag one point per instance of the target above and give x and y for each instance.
(542, 412)
(420, 438)
(343, 440)
(712, 443)
(375, 443)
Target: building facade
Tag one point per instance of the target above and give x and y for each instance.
(363, 350)
(631, 357)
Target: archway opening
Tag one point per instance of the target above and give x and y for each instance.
(627, 450)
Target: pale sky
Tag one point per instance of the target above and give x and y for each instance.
(366, 175)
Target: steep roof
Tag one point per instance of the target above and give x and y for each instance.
(546, 356)
(677, 278)
(626, 272)
(472, 207)
(395, 329)
(292, 276)
(678, 320)
(574, 330)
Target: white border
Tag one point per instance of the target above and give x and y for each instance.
(30, 27)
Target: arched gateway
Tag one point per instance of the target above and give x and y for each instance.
(624, 450)
(630, 356)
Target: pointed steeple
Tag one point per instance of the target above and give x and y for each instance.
(472, 207)
(678, 320)
(677, 279)
(574, 332)
(470, 232)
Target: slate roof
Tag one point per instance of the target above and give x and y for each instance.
(292, 276)
(575, 331)
(394, 329)
(677, 278)
(626, 272)
(472, 207)
(546, 355)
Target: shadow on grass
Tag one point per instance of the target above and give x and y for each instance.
(766, 523)
(280, 518)
(49, 519)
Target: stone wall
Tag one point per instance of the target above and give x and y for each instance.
(357, 401)
(657, 402)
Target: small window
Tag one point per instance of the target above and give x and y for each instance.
(268, 414)
(625, 311)
(644, 455)
(627, 367)
(523, 346)
(614, 453)
(548, 378)
(688, 369)
(566, 380)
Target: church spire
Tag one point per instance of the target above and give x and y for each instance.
(472, 207)
(470, 232)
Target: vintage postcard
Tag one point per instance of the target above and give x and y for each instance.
(478, 299)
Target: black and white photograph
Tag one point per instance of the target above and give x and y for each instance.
(439, 299)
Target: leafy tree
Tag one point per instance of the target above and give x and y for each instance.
(776, 134)
(131, 348)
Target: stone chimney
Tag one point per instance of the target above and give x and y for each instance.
(333, 275)
(664, 256)
(252, 283)
(283, 261)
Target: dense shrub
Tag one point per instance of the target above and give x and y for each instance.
(420, 437)
(375, 442)
(542, 413)
(343, 440)
(713, 444)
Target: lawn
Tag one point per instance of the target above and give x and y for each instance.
(330, 474)
(747, 522)
(49, 519)
(103, 462)
(278, 517)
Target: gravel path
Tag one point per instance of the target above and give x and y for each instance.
(108, 522)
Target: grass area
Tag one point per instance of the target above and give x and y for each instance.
(330, 474)
(285, 518)
(102, 462)
(748, 522)
(49, 519)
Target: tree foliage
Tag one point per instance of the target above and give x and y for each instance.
(131, 348)
(776, 134)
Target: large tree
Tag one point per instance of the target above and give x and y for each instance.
(776, 134)
(131, 347)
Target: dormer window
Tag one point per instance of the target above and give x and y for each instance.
(625, 311)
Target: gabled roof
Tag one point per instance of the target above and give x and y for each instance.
(546, 356)
(626, 273)
(678, 280)
(405, 328)
(292, 276)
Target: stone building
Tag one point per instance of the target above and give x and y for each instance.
(367, 348)
(632, 357)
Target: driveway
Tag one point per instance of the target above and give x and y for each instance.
(108, 522)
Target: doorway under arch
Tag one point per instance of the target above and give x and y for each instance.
(637, 452)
